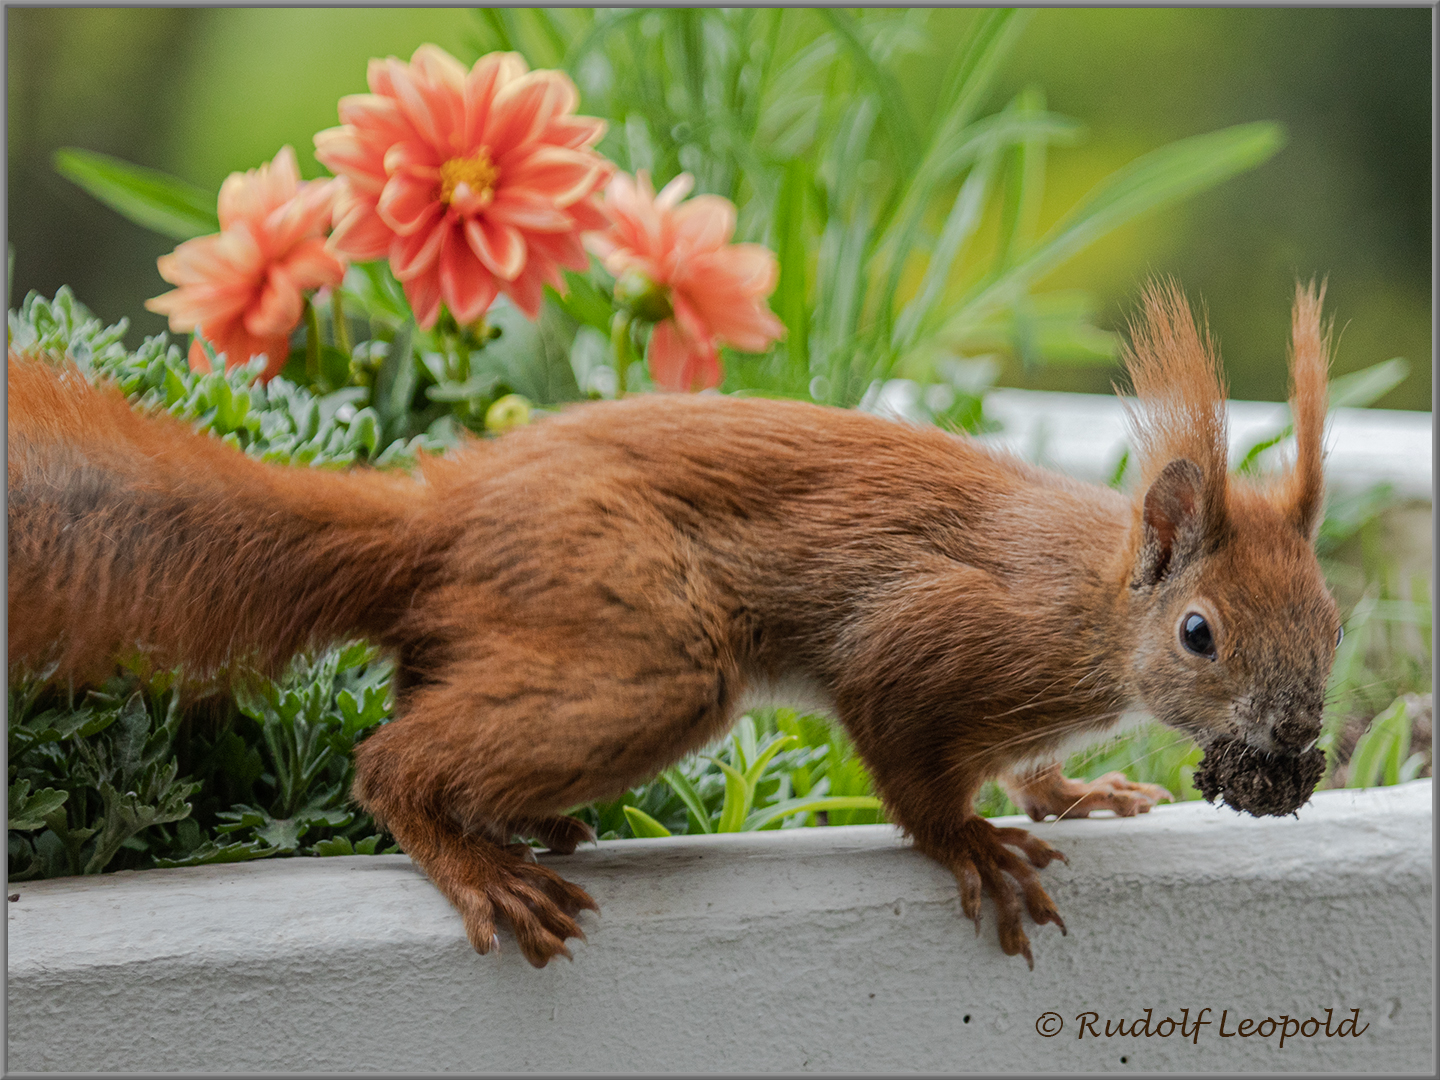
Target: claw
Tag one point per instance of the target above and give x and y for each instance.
(985, 865)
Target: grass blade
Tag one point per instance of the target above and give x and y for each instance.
(975, 67)
(1155, 179)
(148, 197)
(642, 824)
(738, 797)
(680, 784)
(789, 301)
(757, 767)
(766, 814)
(892, 103)
(959, 227)
(1363, 387)
(1377, 745)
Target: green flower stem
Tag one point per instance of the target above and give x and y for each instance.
(624, 355)
(337, 315)
(312, 342)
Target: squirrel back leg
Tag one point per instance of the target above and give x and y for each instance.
(1046, 790)
(508, 736)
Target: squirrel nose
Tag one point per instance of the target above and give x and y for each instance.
(1294, 729)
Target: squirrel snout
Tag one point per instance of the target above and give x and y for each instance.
(1285, 730)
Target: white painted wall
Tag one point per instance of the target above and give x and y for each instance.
(805, 950)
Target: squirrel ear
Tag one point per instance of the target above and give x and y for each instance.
(1172, 522)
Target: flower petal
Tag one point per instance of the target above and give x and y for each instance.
(307, 214)
(251, 195)
(671, 194)
(408, 205)
(573, 131)
(527, 290)
(423, 292)
(238, 346)
(413, 255)
(560, 175)
(490, 73)
(342, 152)
(562, 248)
(279, 307)
(312, 265)
(429, 94)
(528, 210)
(702, 224)
(522, 108)
(678, 361)
(467, 288)
(500, 247)
(361, 234)
(376, 119)
(588, 214)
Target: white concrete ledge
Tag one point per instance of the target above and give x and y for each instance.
(1084, 435)
(806, 950)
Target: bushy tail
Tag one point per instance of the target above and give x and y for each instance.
(131, 532)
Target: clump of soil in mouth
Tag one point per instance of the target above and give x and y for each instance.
(1262, 784)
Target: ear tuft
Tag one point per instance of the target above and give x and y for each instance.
(1172, 522)
(1303, 495)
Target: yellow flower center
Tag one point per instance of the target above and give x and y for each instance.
(475, 172)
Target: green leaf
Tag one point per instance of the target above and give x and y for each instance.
(898, 124)
(738, 796)
(1411, 769)
(365, 431)
(28, 810)
(762, 758)
(210, 853)
(1250, 463)
(975, 65)
(766, 814)
(642, 824)
(152, 199)
(682, 787)
(1361, 388)
(1162, 176)
(339, 845)
(790, 298)
(1376, 747)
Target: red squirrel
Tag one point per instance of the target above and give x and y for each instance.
(581, 602)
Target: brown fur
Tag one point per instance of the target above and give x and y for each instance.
(580, 603)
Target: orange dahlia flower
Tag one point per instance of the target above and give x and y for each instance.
(241, 289)
(708, 291)
(472, 183)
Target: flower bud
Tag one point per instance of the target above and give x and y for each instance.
(643, 298)
(510, 411)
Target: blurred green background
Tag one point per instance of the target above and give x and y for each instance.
(200, 92)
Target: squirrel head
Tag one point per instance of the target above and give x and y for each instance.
(1235, 629)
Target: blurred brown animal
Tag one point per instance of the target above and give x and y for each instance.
(578, 604)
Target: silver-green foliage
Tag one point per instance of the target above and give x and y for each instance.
(276, 421)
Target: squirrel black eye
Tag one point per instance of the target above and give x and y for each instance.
(1195, 636)
(1339, 636)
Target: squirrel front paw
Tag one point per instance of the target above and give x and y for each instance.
(1051, 792)
(980, 857)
